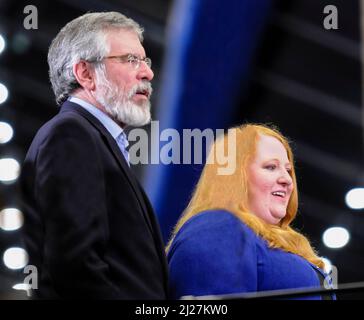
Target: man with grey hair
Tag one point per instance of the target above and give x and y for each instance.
(90, 229)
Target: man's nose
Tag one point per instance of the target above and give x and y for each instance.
(145, 72)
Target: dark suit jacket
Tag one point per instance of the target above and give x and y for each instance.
(89, 227)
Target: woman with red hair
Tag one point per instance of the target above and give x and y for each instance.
(235, 234)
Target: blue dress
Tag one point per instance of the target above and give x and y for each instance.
(216, 253)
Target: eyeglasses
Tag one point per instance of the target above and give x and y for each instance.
(132, 59)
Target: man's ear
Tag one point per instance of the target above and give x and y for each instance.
(84, 75)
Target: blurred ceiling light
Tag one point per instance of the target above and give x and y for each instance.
(336, 237)
(15, 258)
(2, 43)
(11, 219)
(355, 198)
(6, 132)
(4, 93)
(9, 169)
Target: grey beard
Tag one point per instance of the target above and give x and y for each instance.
(119, 105)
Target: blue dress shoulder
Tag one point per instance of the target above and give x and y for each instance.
(215, 253)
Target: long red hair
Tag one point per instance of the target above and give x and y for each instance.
(229, 192)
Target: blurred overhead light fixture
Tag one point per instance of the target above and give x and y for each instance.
(15, 258)
(355, 198)
(6, 132)
(11, 219)
(4, 93)
(9, 169)
(336, 237)
(2, 43)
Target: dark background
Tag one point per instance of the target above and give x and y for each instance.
(304, 79)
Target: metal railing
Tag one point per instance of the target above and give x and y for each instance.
(286, 293)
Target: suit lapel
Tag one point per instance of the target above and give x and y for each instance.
(70, 106)
(158, 238)
(132, 179)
